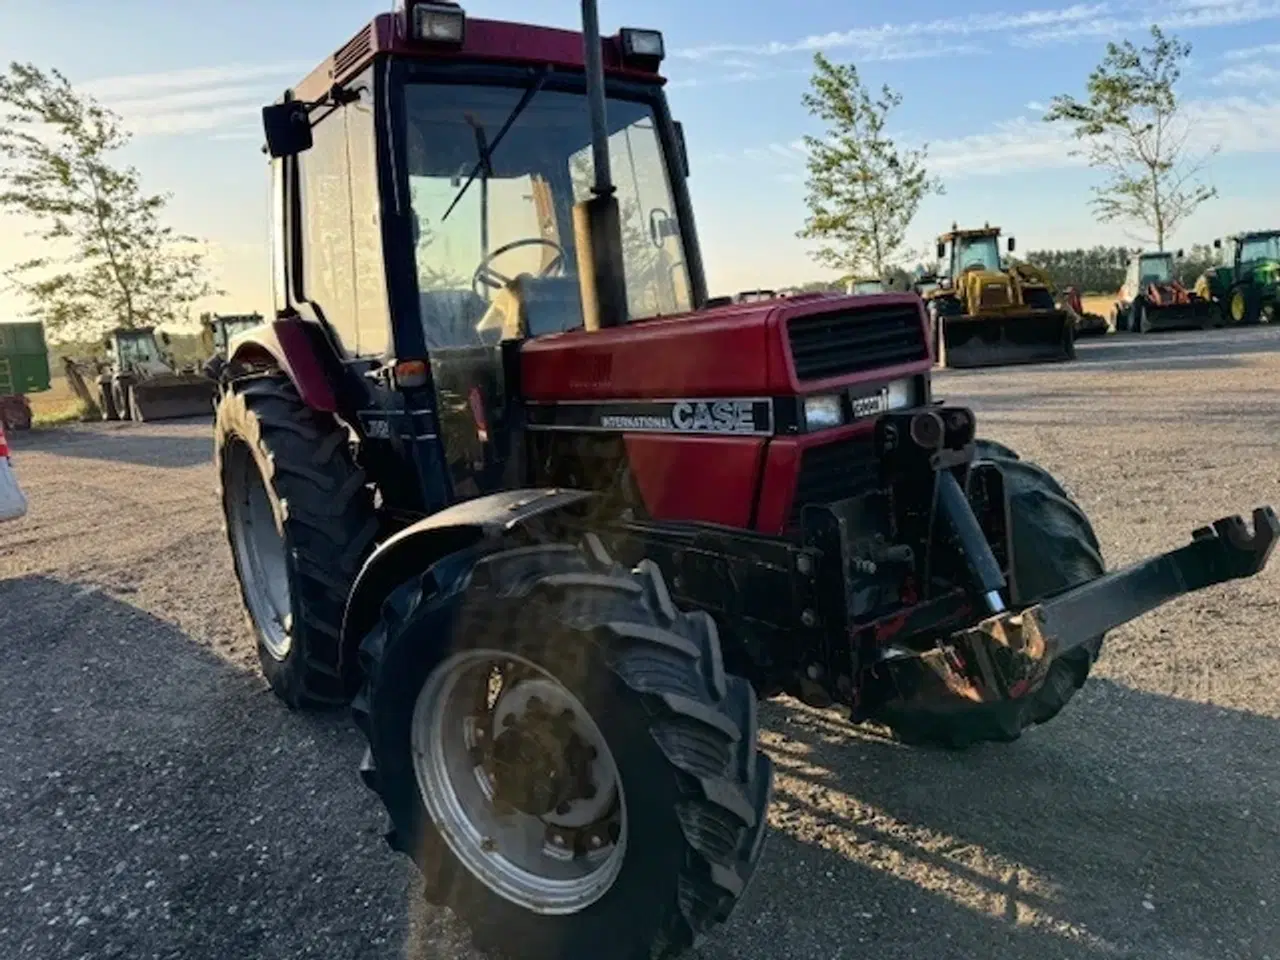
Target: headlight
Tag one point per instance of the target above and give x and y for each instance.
(823, 412)
(901, 394)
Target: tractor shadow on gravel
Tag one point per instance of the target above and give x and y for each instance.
(158, 800)
(171, 444)
(1133, 825)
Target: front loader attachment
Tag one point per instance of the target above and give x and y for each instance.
(1193, 314)
(1042, 336)
(171, 396)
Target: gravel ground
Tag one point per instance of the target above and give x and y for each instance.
(156, 801)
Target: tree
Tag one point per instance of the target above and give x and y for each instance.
(1135, 130)
(863, 192)
(107, 260)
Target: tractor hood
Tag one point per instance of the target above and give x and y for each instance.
(785, 347)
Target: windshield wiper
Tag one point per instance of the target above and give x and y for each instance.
(485, 155)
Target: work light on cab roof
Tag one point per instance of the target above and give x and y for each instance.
(436, 21)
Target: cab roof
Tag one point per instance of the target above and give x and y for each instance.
(957, 234)
(497, 41)
(1254, 234)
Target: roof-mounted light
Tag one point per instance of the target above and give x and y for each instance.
(438, 21)
(643, 48)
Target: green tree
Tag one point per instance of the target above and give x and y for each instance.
(106, 258)
(1135, 130)
(863, 191)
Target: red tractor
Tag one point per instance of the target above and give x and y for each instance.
(496, 476)
(1151, 298)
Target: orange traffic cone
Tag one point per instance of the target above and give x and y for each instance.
(13, 504)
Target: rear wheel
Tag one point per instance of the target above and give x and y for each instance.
(1245, 305)
(1054, 549)
(300, 522)
(562, 755)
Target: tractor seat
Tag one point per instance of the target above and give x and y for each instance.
(532, 307)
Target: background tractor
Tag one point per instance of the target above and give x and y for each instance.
(141, 380)
(988, 313)
(552, 538)
(216, 333)
(1152, 299)
(1246, 287)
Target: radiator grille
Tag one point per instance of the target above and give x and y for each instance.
(835, 471)
(853, 341)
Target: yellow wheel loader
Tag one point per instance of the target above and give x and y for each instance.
(987, 312)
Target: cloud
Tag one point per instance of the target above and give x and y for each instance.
(1241, 125)
(1032, 28)
(1251, 53)
(195, 100)
(1247, 75)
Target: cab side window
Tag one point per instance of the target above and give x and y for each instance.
(327, 253)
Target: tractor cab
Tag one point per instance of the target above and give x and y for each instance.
(1154, 268)
(864, 285)
(961, 251)
(138, 351)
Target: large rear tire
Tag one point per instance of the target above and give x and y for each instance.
(651, 847)
(1054, 549)
(300, 521)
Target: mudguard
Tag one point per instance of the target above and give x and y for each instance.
(415, 548)
(287, 343)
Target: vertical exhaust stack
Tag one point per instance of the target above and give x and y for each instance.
(597, 223)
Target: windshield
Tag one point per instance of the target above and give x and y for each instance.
(867, 286)
(1260, 248)
(517, 217)
(1156, 270)
(977, 252)
(138, 349)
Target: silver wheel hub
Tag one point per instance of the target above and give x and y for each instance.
(518, 779)
(259, 548)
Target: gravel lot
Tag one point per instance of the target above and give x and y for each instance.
(156, 801)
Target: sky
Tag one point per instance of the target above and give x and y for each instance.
(189, 79)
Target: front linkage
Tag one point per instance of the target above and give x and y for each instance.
(915, 662)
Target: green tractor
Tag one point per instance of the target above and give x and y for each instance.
(1245, 288)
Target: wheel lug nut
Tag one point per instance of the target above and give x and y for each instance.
(596, 842)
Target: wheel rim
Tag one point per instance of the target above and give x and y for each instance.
(260, 550)
(474, 710)
(1237, 306)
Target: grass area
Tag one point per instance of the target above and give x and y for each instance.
(1100, 305)
(56, 406)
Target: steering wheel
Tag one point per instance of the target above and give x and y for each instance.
(491, 278)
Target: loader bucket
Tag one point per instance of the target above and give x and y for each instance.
(1179, 316)
(1040, 337)
(170, 397)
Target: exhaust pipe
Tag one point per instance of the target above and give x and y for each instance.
(597, 223)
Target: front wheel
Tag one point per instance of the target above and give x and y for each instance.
(562, 755)
(1054, 549)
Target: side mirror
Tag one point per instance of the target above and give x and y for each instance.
(942, 250)
(1217, 244)
(1179, 254)
(684, 149)
(288, 128)
(164, 338)
(1012, 244)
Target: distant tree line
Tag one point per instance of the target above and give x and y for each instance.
(1101, 269)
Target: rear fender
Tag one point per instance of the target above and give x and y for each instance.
(288, 344)
(413, 550)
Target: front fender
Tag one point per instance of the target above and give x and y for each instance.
(416, 548)
(287, 344)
